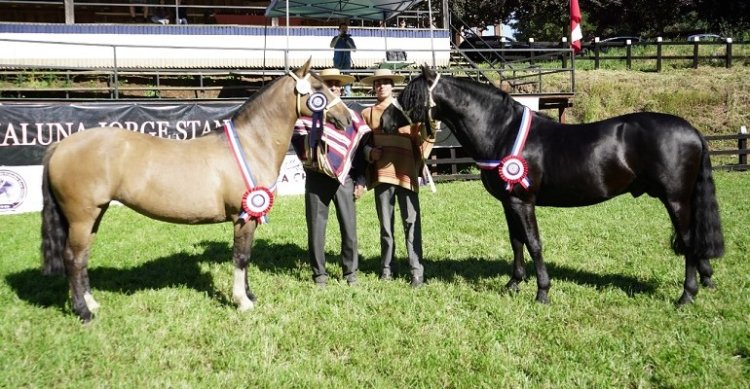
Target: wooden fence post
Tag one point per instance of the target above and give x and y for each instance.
(629, 53)
(596, 53)
(728, 60)
(695, 52)
(742, 146)
(564, 45)
(531, 53)
(658, 54)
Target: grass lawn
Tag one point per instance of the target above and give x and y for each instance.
(167, 319)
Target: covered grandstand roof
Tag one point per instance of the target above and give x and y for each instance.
(336, 9)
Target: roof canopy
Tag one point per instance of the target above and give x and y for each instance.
(337, 9)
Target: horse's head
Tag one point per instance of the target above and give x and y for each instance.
(413, 104)
(310, 85)
(393, 118)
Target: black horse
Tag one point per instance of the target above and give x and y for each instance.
(561, 165)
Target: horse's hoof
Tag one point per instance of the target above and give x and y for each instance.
(512, 286)
(707, 282)
(684, 300)
(541, 297)
(92, 305)
(85, 316)
(246, 306)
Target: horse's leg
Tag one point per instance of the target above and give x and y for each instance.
(76, 260)
(706, 272)
(679, 213)
(515, 232)
(87, 296)
(243, 242)
(524, 214)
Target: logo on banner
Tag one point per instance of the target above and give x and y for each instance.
(12, 190)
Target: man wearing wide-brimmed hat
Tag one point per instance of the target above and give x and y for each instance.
(335, 171)
(396, 160)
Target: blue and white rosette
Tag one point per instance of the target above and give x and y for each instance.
(317, 103)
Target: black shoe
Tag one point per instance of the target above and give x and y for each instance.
(320, 281)
(416, 282)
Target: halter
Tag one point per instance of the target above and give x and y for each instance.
(258, 200)
(431, 104)
(303, 88)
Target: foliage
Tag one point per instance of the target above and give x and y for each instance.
(714, 100)
(549, 19)
(167, 320)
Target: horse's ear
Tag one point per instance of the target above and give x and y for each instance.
(305, 68)
(427, 73)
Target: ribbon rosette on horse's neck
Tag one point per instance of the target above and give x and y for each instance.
(513, 169)
(257, 200)
(317, 103)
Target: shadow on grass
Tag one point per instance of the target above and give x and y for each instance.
(180, 269)
(184, 269)
(475, 269)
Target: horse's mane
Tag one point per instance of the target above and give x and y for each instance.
(251, 100)
(416, 95)
(250, 104)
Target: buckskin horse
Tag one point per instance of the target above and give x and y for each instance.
(158, 178)
(528, 159)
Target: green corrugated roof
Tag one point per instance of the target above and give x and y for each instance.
(337, 9)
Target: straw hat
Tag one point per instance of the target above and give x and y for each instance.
(381, 74)
(335, 75)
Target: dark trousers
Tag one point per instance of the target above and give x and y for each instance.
(408, 204)
(320, 190)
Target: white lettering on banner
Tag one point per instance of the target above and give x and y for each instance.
(291, 179)
(44, 134)
(188, 129)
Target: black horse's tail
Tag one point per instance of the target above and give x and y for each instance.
(706, 238)
(54, 225)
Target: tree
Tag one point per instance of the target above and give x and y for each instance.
(548, 20)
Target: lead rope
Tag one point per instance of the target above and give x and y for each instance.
(425, 170)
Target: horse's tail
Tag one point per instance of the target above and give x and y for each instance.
(706, 238)
(54, 225)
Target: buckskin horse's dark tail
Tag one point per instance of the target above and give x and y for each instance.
(706, 238)
(54, 225)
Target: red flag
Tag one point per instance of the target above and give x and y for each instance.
(575, 26)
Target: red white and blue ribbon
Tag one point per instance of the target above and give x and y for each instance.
(513, 169)
(258, 200)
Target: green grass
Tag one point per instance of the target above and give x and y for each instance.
(167, 320)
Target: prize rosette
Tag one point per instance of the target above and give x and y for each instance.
(257, 202)
(513, 169)
(303, 86)
(317, 102)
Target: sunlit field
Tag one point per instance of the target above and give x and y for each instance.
(167, 319)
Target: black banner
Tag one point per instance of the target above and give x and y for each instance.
(27, 129)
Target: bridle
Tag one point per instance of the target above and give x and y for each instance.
(303, 88)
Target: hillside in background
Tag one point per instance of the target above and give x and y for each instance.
(714, 100)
